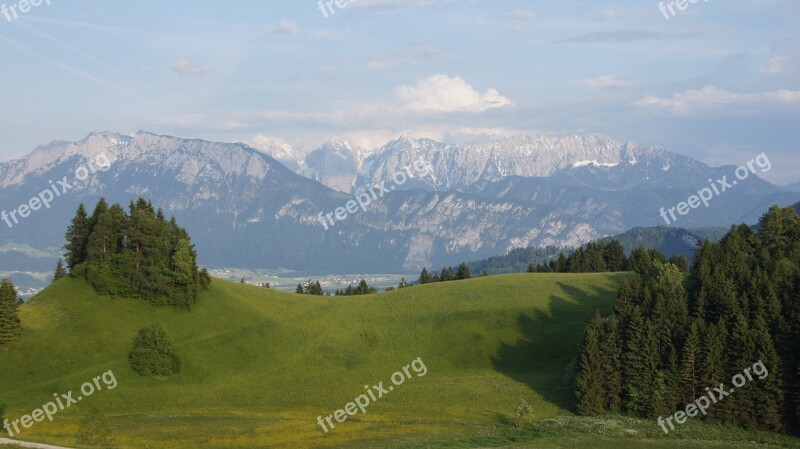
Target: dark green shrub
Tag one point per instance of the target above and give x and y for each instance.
(153, 354)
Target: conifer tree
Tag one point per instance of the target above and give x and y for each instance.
(59, 273)
(690, 366)
(736, 408)
(424, 276)
(77, 236)
(10, 324)
(615, 256)
(634, 366)
(463, 272)
(589, 381)
(611, 373)
(713, 367)
(447, 274)
(768, 393)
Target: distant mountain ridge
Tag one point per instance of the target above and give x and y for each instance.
(246, 209)
(670, 241)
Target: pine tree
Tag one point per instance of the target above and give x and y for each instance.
(737, 408)
(611, 373)
(634, 364)
(77, 236)
(589, 382)
(425, 277)
(463, 272)
(615, 256)
(10, 324)
(690, 366)
(299, 290)
(768, 393)
(447, 274)
(562, 265)
(713, 366)
(102, 242)
(59, 273)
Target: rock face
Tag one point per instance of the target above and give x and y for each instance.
(245, 209)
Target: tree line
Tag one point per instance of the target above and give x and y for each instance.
(446, 274)
(603, 257)
(136, 254)
(673, 335)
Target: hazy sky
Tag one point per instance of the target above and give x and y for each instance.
(717, 81)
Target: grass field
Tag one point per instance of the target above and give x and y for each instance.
(259, 366)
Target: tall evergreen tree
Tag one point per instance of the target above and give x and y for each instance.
(768, 395)
(77, 236)
(447, 274)
(611, 372)
(636, 385)
(60, 272)
(425, 277)
(691, 378)
(615, 256)
(589, 382)
(713, 366)
(463, 272)
(10, 324)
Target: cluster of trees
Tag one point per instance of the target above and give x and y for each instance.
(672, 336)
(153, 353)
(315, 288)
(10, 324)
(603, 257)
(362, 289)
(136, 254)
(516, 261)
(311, 288)
(445, 274)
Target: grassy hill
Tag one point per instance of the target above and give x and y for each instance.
(259, 366)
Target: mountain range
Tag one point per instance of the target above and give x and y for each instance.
(261, 207)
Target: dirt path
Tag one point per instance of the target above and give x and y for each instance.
(15, 443)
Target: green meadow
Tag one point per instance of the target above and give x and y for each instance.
(260, 365)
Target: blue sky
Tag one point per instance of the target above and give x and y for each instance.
(717, 81)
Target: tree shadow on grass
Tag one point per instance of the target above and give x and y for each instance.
(544, 356)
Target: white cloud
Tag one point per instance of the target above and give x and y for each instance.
(441, 93)
(185, 66)
(690, 101)
(602, 82)
(284, 27)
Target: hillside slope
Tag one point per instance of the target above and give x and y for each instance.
(262, 365)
